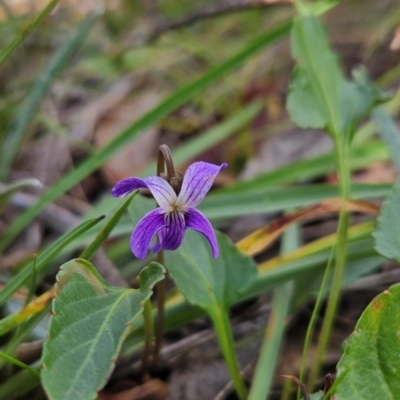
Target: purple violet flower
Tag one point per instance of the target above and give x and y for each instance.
(176, 212)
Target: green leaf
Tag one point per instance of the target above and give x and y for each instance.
(164, 108)
(90, 320)
(389, 133)
(371, 356)
(387, 232)
(45, 257)
(214, 284)
(316, 396)
(206, 281)
(320, 96)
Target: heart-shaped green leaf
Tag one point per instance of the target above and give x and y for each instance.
(387, 233)
(206, 281)
(214, 284)
(370, 364)
(90, 320)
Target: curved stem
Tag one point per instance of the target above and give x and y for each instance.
(225, 339)
(148, 335)
(342, 154)
(165, 156)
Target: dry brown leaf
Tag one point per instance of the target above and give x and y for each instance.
(264, 237)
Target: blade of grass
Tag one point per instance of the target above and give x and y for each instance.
(312, 168)
(45, 257)
(26, 31)
(19, 363)
(274, 334)
(313, 320)
(25, 329)
(32, 100)
(105, 232)
(18, 385)
(168, 105)
(32, 286)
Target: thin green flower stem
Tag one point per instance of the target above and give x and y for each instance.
(313, 321)
(148, 335)
(160, 293)
(222, 327)
(342, 154)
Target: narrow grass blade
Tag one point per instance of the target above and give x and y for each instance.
(311, 168)
(19, 363)
(168, 105)
(274, 334)
(31, 102)
(26, 31)
(18, 385)
(32, 287)
(105, 232)
(26, 328)
(223, 205)
(45, 257)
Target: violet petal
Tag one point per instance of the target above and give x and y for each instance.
(161, 190)
(145, 230)
(171, 236)
(197, 181)
(197, 221)
(124, 187)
